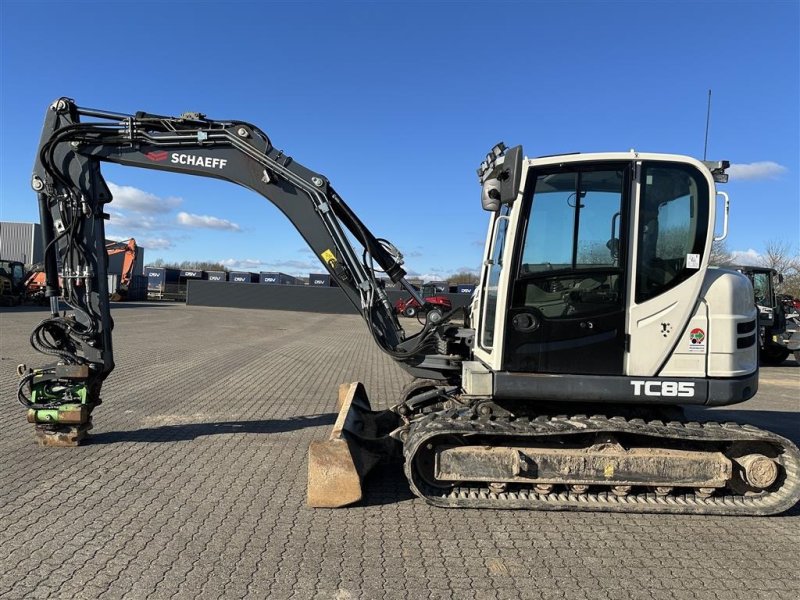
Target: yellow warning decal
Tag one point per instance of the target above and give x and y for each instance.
(329, 257)
(608, 471)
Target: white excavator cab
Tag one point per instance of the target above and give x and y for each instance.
(598, 268)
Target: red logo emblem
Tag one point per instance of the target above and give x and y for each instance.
(157, 155)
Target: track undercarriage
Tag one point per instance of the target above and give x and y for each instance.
(473, 453)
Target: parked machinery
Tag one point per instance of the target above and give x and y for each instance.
(410, 307)
(774, 341)
(12, 282)
(130, 252)
(596, 315)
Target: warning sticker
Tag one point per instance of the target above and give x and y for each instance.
(329, 258)
(692, 261)
(697, 340)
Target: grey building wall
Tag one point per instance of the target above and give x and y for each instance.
(21, 242)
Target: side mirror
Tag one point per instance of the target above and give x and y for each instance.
(500, 177)
(780, 278)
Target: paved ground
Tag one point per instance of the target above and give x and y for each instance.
(193, 486)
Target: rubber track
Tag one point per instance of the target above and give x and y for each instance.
(463, 422)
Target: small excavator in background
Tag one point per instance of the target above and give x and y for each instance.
(596, 317)
(131, 252)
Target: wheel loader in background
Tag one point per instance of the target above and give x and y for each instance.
(12, 282)
(596, 317)
(776, 333)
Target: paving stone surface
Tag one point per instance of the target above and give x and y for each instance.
(193, 486)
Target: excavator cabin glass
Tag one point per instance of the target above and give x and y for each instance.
(673, 220)
(567, 299)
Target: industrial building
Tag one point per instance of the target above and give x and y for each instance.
(21, 242)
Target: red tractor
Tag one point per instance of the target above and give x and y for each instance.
(410, 307)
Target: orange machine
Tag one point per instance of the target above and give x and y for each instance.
(131, 251)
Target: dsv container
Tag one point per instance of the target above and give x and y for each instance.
(273, 278)
(161, 281)
(217, 275)
(242, 277)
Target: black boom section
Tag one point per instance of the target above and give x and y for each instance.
(72, 194)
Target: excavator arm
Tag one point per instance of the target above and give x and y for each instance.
(131, 250)
(72, 194)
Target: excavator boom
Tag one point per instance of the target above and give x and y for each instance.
(72, 194)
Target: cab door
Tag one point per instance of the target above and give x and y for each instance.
(568, 291)
(673, 229)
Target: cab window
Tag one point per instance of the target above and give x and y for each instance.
(673, 224)
(570, 263)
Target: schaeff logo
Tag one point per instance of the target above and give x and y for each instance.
(193, 160)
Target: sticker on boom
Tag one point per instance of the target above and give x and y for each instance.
(192, 160)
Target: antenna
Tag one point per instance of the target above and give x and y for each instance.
(708, 119)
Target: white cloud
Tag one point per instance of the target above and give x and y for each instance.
(127, 197)
(134, 222)
(302, 267)
(157, 243)
(756, 170)
(746, 257)
(242, 263)
(298, 265)
(206, 221)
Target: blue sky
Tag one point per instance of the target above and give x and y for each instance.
(397, 104)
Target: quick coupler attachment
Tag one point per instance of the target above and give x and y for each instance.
(58, 404)
(358, 442)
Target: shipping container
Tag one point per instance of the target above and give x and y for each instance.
(162, 283)
(274, 278)
(438, 287)
(387, 284)
(21, 242)
(319, 279)
(192, 274)
(217, 275)
(462, 288)
(242, 277)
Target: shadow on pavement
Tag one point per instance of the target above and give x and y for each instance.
(191, 431)
(386, 484)
(785, 423)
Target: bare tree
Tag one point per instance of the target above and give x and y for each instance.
(780, 255)
(720, 257)
(202, 265)
(462, 277)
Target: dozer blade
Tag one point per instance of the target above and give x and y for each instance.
(358, 442)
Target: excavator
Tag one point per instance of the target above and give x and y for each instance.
(130, 251)
(596, 319)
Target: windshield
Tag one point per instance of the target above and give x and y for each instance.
(574, 221)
